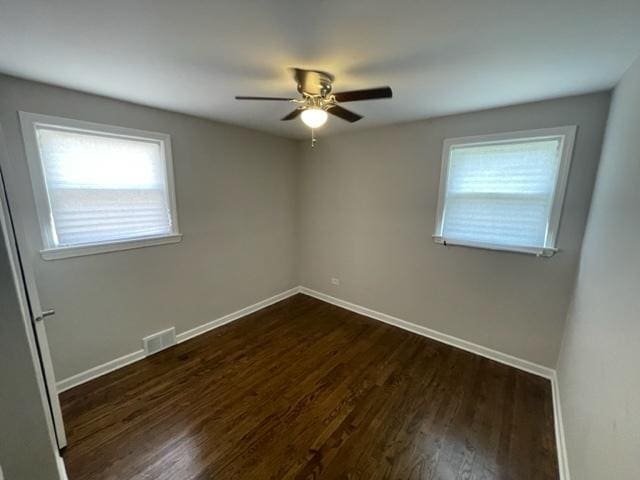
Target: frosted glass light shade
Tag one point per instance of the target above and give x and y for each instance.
(314, 117)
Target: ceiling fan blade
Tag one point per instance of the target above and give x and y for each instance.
(281, 99)
(368, 94)
(294, 114)
(344, 114)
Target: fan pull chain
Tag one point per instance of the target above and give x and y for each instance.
(313, 137)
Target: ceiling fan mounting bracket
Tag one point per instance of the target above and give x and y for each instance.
(314, 82)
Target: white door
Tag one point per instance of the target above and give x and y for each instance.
(38, 314)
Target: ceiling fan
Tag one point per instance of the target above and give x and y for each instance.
(317, 98)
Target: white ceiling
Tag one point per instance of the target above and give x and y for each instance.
(440, 56)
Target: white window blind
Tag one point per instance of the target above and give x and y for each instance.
(102, 187)
(503, 193)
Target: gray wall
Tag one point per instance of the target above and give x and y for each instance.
(367, 213)
(599, 364)
(261, 214)
(236, 206)
(26, 451)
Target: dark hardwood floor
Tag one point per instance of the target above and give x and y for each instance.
(306, 390)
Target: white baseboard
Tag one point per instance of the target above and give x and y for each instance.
(561, 446)
(199, 330)
(62, 471)
(99, 370)
(132, 357)
(510, 360)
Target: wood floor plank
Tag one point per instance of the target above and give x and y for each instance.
(307, 390)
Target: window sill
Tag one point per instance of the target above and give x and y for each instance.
(537, 251)
(96, 248)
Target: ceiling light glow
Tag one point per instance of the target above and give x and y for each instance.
(314, 117)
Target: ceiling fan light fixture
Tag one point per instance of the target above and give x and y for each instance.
(314, 117)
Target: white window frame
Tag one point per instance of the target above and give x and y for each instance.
(567, 133)
(50, 251)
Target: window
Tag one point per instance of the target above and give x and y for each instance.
(504, 192)
(99, 188)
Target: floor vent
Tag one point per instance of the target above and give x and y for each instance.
(159, 341)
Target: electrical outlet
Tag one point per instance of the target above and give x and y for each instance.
(335, 281)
